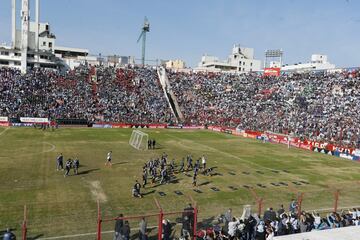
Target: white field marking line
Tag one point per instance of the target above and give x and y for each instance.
(88, 234)
(1, 133)
(53, 147)
(225, 153)
(329, 168)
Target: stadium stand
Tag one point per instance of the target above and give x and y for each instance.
(316, 106)
(130, 95)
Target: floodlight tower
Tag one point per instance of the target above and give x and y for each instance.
(273, 54)
(145, 29)
(25, 18)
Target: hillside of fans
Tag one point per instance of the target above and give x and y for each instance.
(119, 95)
(317, 106)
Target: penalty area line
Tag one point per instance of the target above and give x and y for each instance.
(1, 133)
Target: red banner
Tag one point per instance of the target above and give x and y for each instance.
(157, 125)
(121, 125)
(305, 146)
(272, 72)
(329, 146)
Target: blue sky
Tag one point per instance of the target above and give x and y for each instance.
(189, 28)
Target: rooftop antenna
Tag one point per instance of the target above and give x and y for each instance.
(145, 29)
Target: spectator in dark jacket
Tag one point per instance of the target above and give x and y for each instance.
(118, 227)
(166, 229)
(126, 231)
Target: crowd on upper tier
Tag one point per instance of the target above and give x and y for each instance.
(316, 106)
(131, 95)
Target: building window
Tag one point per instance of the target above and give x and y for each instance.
(243, 63)
(44, 43)
(4, 53)
(50, 44)
(243, 69)
(17, 54)
(239, 62)
(251, 64)
(4, 62)
(250, 69)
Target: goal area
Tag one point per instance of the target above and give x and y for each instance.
(139, 140)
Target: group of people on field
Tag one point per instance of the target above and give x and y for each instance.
(74, 164)
(151, 143)
(161, 171)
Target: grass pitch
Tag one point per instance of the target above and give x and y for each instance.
(62, 206)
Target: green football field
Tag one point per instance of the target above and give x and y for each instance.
(60, 206)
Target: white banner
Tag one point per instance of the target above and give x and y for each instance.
(4, 119)
(356, 152)
(34, 120)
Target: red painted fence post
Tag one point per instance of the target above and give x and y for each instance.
(161, 216)
(299, 202)
(24, 226)
(336, 195)
(195, 220)
(260, 203)
(98, 221)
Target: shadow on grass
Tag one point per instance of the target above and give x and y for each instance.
(88, 171)
(174, 181)
(204, 183)
(118, 163)
(156, 185)
(147, 193)
(36, 237)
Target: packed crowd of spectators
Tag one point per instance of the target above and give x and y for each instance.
(276, 223)
(42, 93)
(249, 226)
(131, 95)
(318, 106)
